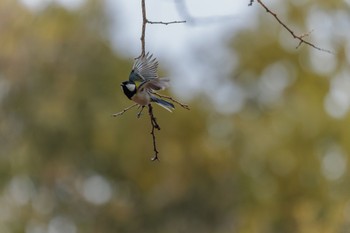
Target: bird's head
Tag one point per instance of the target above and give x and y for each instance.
(129, 88)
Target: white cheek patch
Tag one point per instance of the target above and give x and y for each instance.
(131, 87)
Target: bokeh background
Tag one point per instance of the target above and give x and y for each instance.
(264, 148)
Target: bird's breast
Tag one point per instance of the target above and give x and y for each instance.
(142, 98)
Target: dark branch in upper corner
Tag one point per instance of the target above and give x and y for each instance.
(300, 38)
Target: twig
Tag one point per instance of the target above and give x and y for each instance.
(124, 110)
(173, 100)
(300, 38)
(165, 23)
(154, 126)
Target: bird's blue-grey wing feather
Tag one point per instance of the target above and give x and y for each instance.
(144, 68)
(165, 104)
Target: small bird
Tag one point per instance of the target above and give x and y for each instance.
(144, 71)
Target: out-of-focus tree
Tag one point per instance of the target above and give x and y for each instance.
(278, 164)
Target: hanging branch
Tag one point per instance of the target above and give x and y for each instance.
(300, 38)
(154, 122)
(153, 119)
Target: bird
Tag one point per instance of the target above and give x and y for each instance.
(144, 82)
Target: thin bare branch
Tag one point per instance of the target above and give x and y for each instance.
(165, 23)
(300, 38)
(124, 110)
(185, 106)
(154, 126)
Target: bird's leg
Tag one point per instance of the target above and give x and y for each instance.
(139, 113)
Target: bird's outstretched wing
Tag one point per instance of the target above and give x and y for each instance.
(155, 84)
(144, 68)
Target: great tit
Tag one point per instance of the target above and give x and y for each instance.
(144, 71)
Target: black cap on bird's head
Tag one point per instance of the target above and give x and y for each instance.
(129, 88)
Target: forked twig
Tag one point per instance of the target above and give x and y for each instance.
(302, 36)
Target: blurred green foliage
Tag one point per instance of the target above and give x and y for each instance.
(66, 165)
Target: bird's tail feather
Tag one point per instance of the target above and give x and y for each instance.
(163, 103)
